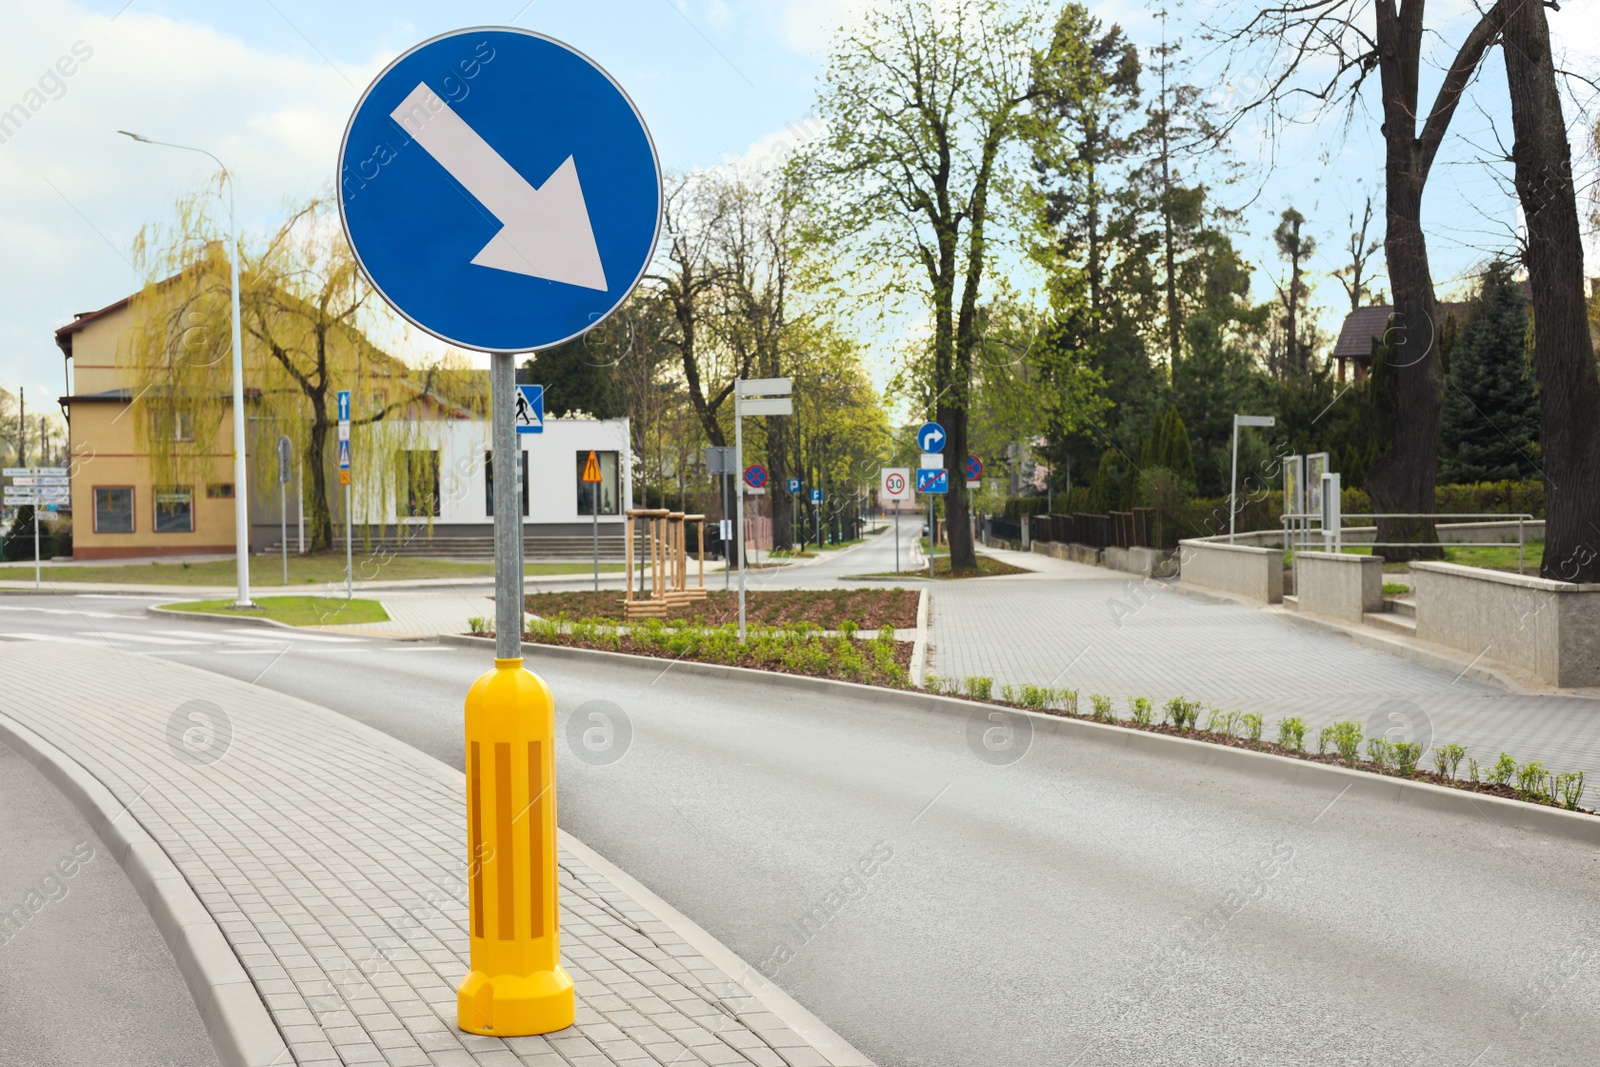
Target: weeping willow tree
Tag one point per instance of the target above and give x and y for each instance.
(303, 303)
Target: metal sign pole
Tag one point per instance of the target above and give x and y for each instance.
(507, 528)
(595, 501)
(738, 530)
(897, 537)
(283, 526)
(36, 546)
(349, 551)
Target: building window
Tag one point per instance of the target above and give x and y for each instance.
(174, 425)
(220, 491)
(174, 510)
(113, 509)
(607, 484)
(488, 483)
(419, 483)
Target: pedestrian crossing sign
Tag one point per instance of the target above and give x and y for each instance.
(529, 414)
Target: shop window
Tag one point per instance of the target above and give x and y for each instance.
(174, 511)
(113, 509)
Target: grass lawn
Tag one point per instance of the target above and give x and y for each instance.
(296, 610)
(988, 567)
(267, 571)
(1498, 557)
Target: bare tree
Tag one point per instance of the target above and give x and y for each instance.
(1354, 275)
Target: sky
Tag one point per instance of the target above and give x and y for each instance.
(267, 85)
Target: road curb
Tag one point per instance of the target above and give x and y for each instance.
(1299, 773)
(249, 620)
(241, 1030)
(919, 650)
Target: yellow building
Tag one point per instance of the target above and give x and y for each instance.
(117, 510)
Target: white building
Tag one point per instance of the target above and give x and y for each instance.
(439, 485)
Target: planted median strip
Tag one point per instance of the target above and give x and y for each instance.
(1340, 744)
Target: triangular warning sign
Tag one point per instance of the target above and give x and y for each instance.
(591, 469)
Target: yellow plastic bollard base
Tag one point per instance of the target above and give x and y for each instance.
(510, 1005)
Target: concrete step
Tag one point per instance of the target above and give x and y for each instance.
(1394, 623)
(1291, 602)
(1405, 606)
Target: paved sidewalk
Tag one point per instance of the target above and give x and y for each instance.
(332, 858)
(1102, 631)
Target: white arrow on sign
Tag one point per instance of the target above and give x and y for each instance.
(546, 231)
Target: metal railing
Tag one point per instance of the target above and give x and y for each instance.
(1300, 529)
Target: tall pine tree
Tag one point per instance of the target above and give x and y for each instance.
(1491, 418)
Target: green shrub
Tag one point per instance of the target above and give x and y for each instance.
(1035, 697)
(1139, 708)
(1531, 781)
(849, 628)
(1379, 751)
(1008, 694)
(1182, 713)
(1406, 754)
(1066, 699)
(1474, 768)
(1447, 758)
(1504, 769)
(1100, 708)
(1570, 787)
(1252, 725)
(1324, 740)
(979, 686)
(930, 682)
(1292, 733)
(1347, 739)
(478, 625)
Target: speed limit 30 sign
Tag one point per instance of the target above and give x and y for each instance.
(895, 485)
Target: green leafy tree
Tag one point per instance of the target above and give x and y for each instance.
(1491, 416)
(927, 105)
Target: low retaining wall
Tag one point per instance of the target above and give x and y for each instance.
(1150, 562)
(1075, 553)
(1550, 630)
(1256, 573)
(1338, 585)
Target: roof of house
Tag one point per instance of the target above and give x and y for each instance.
(1365, 325)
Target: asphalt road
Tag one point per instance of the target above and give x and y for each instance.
(85, 977)
(1078, 905)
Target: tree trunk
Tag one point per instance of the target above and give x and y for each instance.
(319, 520)
(1403, 481)
(1563, 352)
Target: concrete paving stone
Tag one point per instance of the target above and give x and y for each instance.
(411, 1056)
(332, 858)
(804, 1057)
(499, 1058)
(457, 1057)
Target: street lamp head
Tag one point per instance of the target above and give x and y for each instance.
(135, 136)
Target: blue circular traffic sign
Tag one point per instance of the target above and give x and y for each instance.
(930, 437)
(499, 189)
(974, 468)
(755, 476)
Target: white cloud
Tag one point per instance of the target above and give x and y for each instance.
(76, 193)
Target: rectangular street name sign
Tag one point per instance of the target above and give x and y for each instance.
(781, 405)
(33, 472)
(766, 387)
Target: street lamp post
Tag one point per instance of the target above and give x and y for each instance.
(241, 495)
(1233, 484)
